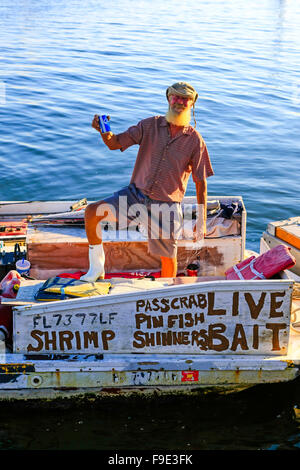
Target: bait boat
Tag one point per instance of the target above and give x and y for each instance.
(143, 333)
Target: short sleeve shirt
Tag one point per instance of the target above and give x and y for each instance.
(164, 163)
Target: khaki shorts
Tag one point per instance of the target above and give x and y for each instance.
(161, 220)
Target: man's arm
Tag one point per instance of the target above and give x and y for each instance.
(109, 138)
(201, 192)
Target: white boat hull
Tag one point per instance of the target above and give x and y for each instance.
(130, 348)
(72, 375)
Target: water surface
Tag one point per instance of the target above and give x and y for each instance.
(62, 62)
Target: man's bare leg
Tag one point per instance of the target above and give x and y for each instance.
(94, 214)
(168, 267)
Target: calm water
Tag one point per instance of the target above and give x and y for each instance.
(261, 419)
(62, 62)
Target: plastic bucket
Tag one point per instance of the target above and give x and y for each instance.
(23, 266)
(192, 270)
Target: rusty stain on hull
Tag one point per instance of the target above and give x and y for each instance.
(57, 375)
(16, 368)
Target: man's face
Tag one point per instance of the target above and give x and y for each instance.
(179, 103)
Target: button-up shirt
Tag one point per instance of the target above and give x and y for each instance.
(164, 163)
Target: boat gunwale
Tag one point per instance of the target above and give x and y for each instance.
(225, 285)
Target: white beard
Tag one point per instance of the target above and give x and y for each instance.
(181, 119)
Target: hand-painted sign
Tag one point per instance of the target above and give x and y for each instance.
(190, 321)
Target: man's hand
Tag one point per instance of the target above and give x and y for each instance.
(199, 230)
(95, 123)
(109, 138)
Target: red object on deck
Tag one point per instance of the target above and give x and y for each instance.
(264, 266)
(8, 290)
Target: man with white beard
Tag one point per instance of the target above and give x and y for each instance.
(169, 151)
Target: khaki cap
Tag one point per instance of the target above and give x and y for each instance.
(182, 89)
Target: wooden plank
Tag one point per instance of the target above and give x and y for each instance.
(25, 208)
(55, 235)
(289, 234)
(282, 223)
(50, 207)
(133, 362)
(221, 317)
(28, 288)
(214, 258)
(64, 250)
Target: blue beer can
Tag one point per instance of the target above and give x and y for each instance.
(103, 123)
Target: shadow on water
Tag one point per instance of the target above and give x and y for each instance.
(265, 417)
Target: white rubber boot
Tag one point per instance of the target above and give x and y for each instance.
(96, 260)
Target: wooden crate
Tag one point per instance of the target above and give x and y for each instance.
(53, 250)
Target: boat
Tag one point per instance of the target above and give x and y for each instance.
(285, 232)
(147, 334)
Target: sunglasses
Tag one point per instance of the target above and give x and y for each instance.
(179, 99)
